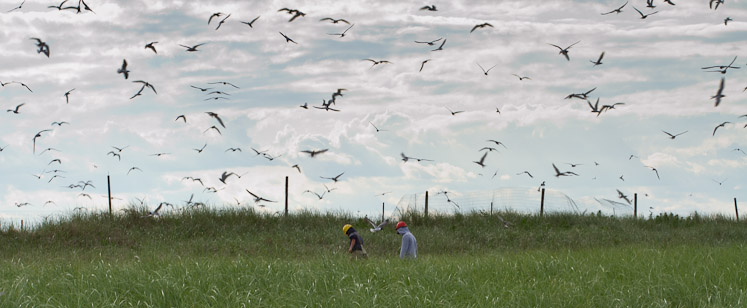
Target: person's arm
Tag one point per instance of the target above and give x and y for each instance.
(352, 244)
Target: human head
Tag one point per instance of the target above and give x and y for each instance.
(346, 227)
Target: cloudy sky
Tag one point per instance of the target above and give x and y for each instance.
(651, 65)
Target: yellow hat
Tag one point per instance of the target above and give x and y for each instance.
(346, 227)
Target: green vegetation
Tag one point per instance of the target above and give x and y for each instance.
(241, 258)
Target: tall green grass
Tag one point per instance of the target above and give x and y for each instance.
(241, 258)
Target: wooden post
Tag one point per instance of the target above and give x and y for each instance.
(382, 211)
(736, 210)
(491, 208)
(426, 204)
(21, 224)
(286, 195)
(109, 187)
(542, 203)
(635, 205)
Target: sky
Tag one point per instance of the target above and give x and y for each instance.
(651, 65)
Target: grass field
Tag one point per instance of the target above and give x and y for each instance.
(240, 258)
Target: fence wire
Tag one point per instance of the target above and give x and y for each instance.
(514, 199)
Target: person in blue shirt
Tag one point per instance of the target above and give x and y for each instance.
(355, 249)
(409, 247)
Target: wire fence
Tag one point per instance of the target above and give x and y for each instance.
(514, 199)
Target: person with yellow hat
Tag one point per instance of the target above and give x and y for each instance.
(409, 248)
(355, 249)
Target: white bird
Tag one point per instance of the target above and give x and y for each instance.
(375, 227)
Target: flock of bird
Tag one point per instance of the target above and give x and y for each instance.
(220, 90)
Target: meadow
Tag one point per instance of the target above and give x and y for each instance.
(240, 258)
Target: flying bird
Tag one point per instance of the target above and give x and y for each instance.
(559, 174)
(313, 153)
(481, 162)
(225, 83)
(15, 110)
(343, 32)
(617, 10)
(719, 93)
(431, 8)
(480, 26)
(218, 14)
(67, 96)
(335, 178)
(430, 43)
(643, 16)
(133, 169)
(334, 21)
(43, 47)
(598, 61)
(297, 168)
(376, 128)
(150, 45)
(294, 12)
(38, 135)
(441, 47)
(251, 23)
(222, 22)
(727, 20)
(375, 227)
(258, 199)
(527, 173)
(483, 70)
(521, 78)
(377, 62)
(718, 126)
(58, 7)
(123, 69)
(226, 175)
(287, 39)
(454, 112)
(497, 143)
(192, 48)
(217, 117)
(673, 136)
(422, 64)
(213, 128)
(623, 196)
(564, 51)
(24, 1)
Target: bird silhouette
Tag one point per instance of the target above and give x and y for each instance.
(251, 23)
(431, 8)
(335, 178)
(673, 136)
(719, 126)
(375, 227)
(150, 45)
(719, 93)
(485, 71)
(440, 47)
(287, 39)
(67, 96)
(644, 16)
(123, 69)
(617, 10)
(480, 26)
(192, 48)
(564, 51)
(334, 21)
(313, 153)
(15, 110)
(430, 43)
(598, 61)
(343, 32)
(481, 162)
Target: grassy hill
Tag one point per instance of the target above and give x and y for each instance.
(234, 258)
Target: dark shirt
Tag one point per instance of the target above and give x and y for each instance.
(358, 241)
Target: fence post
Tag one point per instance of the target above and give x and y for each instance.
(542, 203)
(426, 204)
(736, 209)
(286, 195)
(21, 224)
(382, 211)
(491, 208)
(635, 205)
(109, 188)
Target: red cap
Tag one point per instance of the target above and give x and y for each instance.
(400, 225)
